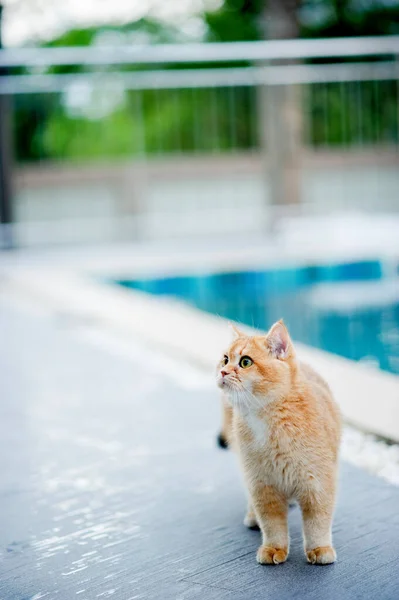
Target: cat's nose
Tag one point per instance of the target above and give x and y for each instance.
(223, 373)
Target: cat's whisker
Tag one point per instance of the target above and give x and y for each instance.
(244, 398)
(257, 400)
(251, 397)
(240, 398)
(236, 397)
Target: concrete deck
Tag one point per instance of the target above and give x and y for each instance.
(112, 486)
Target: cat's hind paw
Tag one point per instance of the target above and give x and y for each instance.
(271, 556)
(324, 555)
(250, 521)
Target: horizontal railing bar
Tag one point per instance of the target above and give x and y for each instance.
(212, 52)
(201, 78)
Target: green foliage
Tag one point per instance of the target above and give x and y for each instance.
(77, 139)
(357, 113)
(346, 18)
(154, 122)
(210, 120)
(235, 21)
(32, 114)
(152, 30)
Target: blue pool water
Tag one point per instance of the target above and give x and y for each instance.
(350, 309)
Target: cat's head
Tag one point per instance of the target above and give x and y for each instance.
(257, 369)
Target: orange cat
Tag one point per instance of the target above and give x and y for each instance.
(282, 421)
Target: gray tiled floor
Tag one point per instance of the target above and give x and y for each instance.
(112, 487)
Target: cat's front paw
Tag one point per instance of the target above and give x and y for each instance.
(250, 521)
(324, 555)
(271, 556)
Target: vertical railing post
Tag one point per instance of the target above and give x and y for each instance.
(6, 240)
(282, 121)
(280, 116)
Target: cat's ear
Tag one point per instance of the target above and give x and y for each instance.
(236, 332)
(279, 342)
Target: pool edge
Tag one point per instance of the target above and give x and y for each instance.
(368, 398)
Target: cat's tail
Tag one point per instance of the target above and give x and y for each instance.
(222, 441)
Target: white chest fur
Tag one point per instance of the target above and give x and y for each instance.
(258, 428)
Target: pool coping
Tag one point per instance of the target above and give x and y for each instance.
(368, 397)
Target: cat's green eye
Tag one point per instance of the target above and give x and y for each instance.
(225, 360)
(246, 362)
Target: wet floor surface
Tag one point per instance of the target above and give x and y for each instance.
(112, 485)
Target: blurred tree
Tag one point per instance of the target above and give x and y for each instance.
(280, 19)
(246, 20)
(235, 21)
(48, 126)
(346, 18)
(362, 112)
(280, 111)
(273, 19)
(42, 121)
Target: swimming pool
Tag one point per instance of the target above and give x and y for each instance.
(350, 309)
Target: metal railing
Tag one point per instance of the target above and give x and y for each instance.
(212, 52)
(220, 77)
(169, 142)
